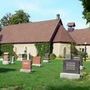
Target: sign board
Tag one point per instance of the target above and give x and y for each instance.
(71, 66)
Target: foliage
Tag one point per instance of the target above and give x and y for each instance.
(6, 48)
(86, 12)
(52, 56)
(5, 21)
(83, 55)
(74, 51)
(19, 17)
(43, 48)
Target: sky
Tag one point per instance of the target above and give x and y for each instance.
(39, 10)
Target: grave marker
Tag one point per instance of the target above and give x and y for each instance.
(71, 69)
(6, 58)
(36, 61)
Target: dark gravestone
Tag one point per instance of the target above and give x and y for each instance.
(80, 59)
(71, 66)
(71, 69)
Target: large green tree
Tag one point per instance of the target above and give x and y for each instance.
(86, 11)
(19, 17)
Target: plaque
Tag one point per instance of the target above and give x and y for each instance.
(71, 66)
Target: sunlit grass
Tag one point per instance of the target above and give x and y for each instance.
(46, 77)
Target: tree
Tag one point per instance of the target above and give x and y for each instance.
(19, 17)
(6, 48)
(5, 21)
(86, 11)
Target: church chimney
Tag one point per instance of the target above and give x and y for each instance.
(58, 16)
(71, 26)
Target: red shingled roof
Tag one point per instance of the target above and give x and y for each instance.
(42, 31)
(62, 35)
(80, 36)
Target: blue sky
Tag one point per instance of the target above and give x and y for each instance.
(69, 10)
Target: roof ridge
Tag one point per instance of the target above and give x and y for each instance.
(83, 28)
(30, 23)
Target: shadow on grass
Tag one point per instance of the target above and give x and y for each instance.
(13, 88)
(3, 70)
(68, 87)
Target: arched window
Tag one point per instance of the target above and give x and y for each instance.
(64, 52)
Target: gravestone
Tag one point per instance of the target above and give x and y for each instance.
(46, 57)
(71, 69)
(26, 66)
(12, 60)
(81, 61)
(6, 58)
(36, 61)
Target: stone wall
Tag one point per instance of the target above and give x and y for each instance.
(20, 48)
(58, 49)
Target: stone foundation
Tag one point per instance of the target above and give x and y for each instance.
(46, 61)
(70, 75)
(25, 70)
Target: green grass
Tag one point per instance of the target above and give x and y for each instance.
(46, 77)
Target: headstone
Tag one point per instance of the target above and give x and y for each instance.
(12, 60)
(81, 61)
(26, 66)
(71, 69)
(36, 61)
(6, 58)
(46, 57)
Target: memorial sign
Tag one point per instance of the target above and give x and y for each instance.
(71, 69)
(6, 58)
(26, 66)
(36, 61)
(71, 66)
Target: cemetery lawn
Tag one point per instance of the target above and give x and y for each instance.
(46, 77)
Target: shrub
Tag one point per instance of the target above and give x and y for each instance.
(60, 56)
(6, 48)
(52, 56)
(83, 54)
